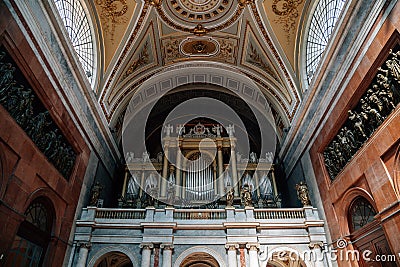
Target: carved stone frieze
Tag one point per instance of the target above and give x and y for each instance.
(375, 105)
(31, 115)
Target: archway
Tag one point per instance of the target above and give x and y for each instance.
(32, 240)
(285, 258)
(114, 259)
(366, 233)
(199, 259)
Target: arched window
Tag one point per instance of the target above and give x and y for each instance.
(361, 213)
(33, 236)
(79, 30)
(322, 24)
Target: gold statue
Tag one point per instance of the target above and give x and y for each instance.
(246, 196)
(229, 197)
(302, 193)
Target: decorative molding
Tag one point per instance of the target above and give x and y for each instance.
(316, 245)
(86, 245)
(199, 29)
(112, 14)
(256, 59)
(253, 246)
(194, 47)
(147, 246)
(167, 246)
(287, 13)
(142, 59)
(232, 246)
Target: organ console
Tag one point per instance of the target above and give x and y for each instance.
(201, 173)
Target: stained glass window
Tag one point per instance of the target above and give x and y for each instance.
(78, 27)
(361, 213)
(322, 24)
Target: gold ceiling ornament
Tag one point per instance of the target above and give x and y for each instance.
(243, 3)
(154, 2)
(195, 47)
(112, 14)
(199, 17)
(199, 30)
(288, 14)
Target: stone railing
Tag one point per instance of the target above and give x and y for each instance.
(120, 214)
(201, 214)
(151, 214)
(279, 214)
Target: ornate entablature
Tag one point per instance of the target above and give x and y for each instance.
(29, 112)
(375, 105)
(210, 173)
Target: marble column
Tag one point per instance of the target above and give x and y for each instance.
(167, 254)
(316, 250)
(234, 171)
(220, 172)
(232, 254)
(146, 254)
(178, 170)
(164, 172)
(253, 254)
(83, 254)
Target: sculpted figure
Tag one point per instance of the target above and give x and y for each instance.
(302, 193)
(229, 197)
(95, 194)
(358, 123)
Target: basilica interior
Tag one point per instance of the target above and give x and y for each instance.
(200, 133)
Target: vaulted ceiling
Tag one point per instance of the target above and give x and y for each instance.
(258, 39)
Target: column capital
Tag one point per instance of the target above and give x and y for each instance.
(252, 246)
(147, 246)
(86, 245)
(314, 245)
(231, 246)
(167, 246)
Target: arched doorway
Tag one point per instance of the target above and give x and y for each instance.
(31, 242)
(285, 259)
(199, 259)
(114, 259)
(367, 234)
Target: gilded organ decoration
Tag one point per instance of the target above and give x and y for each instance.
(202, 178)
(30, 114)
(375, 105)
(302, 193)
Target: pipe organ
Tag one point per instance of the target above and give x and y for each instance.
(200, 175)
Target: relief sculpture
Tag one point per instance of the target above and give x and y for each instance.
(30, 114)
(375, 105)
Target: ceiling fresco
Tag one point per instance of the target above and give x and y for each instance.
(257, 39)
